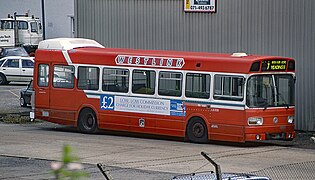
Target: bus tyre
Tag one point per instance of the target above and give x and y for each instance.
(197, 131)
(87, 121)
(3, 80)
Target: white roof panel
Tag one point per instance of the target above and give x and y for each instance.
(67, 43)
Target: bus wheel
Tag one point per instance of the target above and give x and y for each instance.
(87, 121)
(197, 130)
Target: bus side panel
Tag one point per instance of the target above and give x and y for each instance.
(142, 123)
(63, 105)
(171, 125)
(111, 121)
(227, 125)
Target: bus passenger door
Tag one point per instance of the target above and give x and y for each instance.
(42, 94)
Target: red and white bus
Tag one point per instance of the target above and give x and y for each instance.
(200, 96)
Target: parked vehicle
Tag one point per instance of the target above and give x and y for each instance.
(195, 95)
(21, 30)
(218, 175)
(13, 51)
(26, 94)
(16, 68)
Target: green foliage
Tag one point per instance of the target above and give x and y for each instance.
(15, 119)
(69, 168)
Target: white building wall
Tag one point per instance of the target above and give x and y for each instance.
(57, 14)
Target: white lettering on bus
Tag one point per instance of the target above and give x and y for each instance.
(150, 61)
(138, 60)
(153, 62)
(121, 59)
(161, 61)
(130, 60)
(146, 59)
(169, 62)
(179, 62)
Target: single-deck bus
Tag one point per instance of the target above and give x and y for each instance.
(199, 96)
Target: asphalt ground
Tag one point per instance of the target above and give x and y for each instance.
(28, 167)
(9, 99)
(27, 151)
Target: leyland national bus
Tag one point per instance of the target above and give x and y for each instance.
(199, 96)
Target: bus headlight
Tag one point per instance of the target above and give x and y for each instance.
(290, 119)
(255, 121)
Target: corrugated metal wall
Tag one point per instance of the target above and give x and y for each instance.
(269, 27)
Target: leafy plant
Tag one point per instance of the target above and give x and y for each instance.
(69, 168)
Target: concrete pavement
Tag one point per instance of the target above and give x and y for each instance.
(148, 154)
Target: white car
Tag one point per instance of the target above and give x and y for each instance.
(16, 68)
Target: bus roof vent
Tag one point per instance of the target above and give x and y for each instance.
(239, 54)
(67, 43)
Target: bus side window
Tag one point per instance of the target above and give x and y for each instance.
(88, 78)
(170, 84)
(143, 82)
(63, 77)
(197, 85)
(228, 87)
(115, 80)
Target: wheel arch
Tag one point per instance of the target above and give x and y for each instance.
(86, 106)
(5, 77)
(200, 116)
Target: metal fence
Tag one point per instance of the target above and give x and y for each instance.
(296, 171)
(301, 171)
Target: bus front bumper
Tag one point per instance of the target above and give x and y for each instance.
(289, 136)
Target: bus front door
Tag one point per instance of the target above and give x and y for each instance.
(42, 94)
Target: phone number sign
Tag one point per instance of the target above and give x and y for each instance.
(200, 5)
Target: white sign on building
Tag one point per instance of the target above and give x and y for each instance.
(200, 5)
